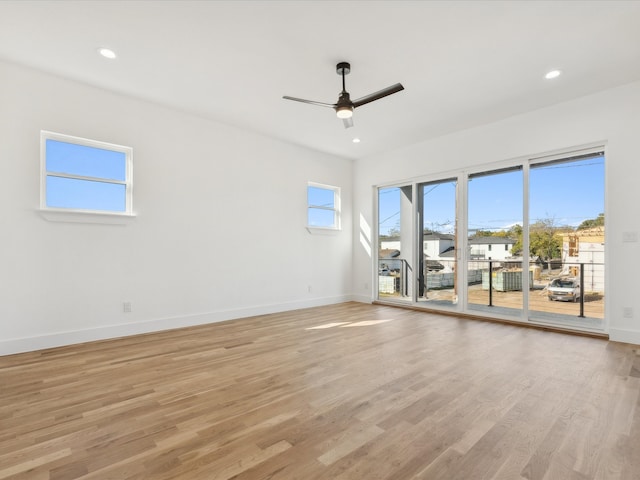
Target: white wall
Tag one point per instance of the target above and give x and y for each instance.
(219, 233)
(612, 116)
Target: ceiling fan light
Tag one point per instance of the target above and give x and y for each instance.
(344, 112)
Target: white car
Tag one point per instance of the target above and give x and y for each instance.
(564, 289)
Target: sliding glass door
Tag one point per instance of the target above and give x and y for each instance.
(494, 261)
(437, 243)
(566, 240)
(525, 242)
(395, 244)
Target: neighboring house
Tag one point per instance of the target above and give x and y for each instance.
(490, 248)
(390, 243)
(389, 261)
(441, 246)
(585, 247)
(434, 244)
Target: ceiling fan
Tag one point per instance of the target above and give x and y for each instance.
(344, 106)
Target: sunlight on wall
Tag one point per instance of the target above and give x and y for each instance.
(365, 235)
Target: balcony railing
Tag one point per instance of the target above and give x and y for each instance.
(500, 280)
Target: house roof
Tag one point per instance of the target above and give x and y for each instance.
(438, 236)
(448, 253)
(388, 253)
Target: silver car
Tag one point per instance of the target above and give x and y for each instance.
(564, 289)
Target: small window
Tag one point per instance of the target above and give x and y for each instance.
(81, 175)
(506, 247)
(489, 247)
(323, 206)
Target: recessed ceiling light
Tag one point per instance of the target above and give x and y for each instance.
(107, 53)
(356, 140)
(552, 74)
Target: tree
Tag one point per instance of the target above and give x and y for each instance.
(393, 232)
(544, 240)
(591, 223)
(483, 233)
(515, 232)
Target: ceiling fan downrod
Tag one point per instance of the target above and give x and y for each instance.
(344, 107)
(343, 68)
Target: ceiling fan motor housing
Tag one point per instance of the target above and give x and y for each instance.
(343, 68)
(344, 107)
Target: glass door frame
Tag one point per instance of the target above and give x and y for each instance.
(568, 156)
(462, 255)
(407, 264)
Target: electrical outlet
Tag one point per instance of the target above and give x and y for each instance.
(309, 288)
(627, 312)
(366, 285)
(126, 307)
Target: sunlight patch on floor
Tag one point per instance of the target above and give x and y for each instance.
(363, 323)
(327, 325)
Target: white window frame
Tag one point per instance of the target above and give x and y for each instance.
(85, 215)
(336, 208)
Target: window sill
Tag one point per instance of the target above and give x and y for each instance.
(323, 231)
(86, 217)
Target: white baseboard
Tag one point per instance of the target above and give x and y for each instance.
(40, 342)
(361, 298)
(624, 335)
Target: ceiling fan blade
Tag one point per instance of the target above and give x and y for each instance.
(311, 102)
(378, 95)
(348, 122)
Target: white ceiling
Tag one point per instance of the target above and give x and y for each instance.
(462, 63)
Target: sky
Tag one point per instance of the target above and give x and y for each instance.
(566, 193)
(85, 164)
(321, 198)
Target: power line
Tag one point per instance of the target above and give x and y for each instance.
(389, 218)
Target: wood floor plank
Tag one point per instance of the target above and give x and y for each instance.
(342, 392)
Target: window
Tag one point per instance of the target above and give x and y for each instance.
(80, 175)
(323, 206)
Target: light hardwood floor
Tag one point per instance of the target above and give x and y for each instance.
(349, 391)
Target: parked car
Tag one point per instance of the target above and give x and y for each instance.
(564, 289)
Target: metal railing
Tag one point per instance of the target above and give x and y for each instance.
(396, 269)
(544, 273)
(396, 278)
